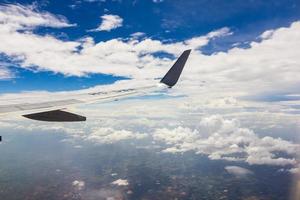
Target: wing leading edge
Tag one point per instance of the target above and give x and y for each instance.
(52, 111)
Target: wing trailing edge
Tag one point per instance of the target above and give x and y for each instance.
(172, 76)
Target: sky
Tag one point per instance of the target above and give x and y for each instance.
(68, 45)
(237, 100)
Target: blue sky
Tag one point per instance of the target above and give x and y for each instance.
(166, 21)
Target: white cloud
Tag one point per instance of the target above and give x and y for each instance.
(237, 171)
(109, 22)
(18, 17)
(118, 57)
(175, 129)
(220, 32)
(79, 185)
(109, 135)
(93, 133)
(137, 35)
(220, 138)
(120, 182)
(295, 170)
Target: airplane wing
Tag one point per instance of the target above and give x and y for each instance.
(53, 110)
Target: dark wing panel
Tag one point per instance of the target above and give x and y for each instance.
(56, 116)
(172, 76)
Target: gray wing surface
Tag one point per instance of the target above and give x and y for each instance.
(53, 110)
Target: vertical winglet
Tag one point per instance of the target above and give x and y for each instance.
(172, 76)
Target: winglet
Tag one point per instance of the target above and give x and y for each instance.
(172, 76)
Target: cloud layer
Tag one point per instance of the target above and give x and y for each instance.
(214, 136)
(130, 58)
(109, 135)
(224, 139)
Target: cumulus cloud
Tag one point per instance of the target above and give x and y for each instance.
(224, 139)
(16, 17)
(174, 129)
(295, 170)
(120, 182)
(109, 22)
(237, 171)
(79, 185)
(109, 135)
(93, 133)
